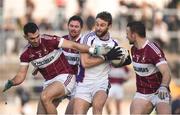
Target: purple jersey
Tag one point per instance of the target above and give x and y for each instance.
(145, 62)
(47, 57)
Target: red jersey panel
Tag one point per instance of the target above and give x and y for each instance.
(145, 62)
(47, 57)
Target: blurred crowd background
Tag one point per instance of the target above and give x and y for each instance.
(162, 19)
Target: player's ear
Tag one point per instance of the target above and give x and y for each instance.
(132, 35)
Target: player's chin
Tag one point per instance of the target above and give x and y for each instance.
(131, 42)
(35, 44)
(74, 35)
(99, 34)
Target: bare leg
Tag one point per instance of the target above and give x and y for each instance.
(98, 102)
(141, 106)
(51, 92)
(118, 106)
(108, 108)
(80, 106)
(69, 109)
(41, 110)
(163, 108)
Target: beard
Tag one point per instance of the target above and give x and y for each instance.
(35, 44)
(101, 34)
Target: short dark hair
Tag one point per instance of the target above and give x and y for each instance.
(30, 27)
(137, 27)
(76, 18)
(106, 16)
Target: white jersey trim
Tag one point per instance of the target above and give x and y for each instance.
(47, 60)
(161, 62)
(60, 42)
(155, 48)
(24, 63)
(144, 69)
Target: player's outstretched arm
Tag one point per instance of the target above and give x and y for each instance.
(18, 79)
(94, 50)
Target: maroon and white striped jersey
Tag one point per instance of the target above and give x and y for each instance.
(145, 62)
(73, 56)
(47, 57)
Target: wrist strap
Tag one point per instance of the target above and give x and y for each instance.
(10, 82)
(92, 50)
(164, 86)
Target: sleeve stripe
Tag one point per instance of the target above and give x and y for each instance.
(155, 48)
(161, 62)
(115, 43)
(87, 36)
(24, 63)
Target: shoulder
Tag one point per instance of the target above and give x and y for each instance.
(87, 37)
(154, 48)
(49, 37)
(25, 49)
(89, 34)
(65, 37)
(25, 52)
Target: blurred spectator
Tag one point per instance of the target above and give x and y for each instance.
(176, 106)
(160, 30)
(81, 6)
(117, 77)
(29, 10)
(24, 98)
(147, 15)
(90, 21)
(172, 22)
(45, 25)
(175, 91)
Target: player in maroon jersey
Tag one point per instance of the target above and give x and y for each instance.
(75, 25)
(45, 53)
(152, 73)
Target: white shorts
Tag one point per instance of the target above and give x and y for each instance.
(153, 98)
(116, 91)
(67, 79)
(86, 91)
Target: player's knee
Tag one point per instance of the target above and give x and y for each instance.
(97, 107)
(44, 97)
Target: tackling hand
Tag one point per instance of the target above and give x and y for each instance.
(8, 85)
(113, 54)
(162, 92)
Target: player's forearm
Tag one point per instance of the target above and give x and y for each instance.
(166, 81)
(91, 62)
(166, 74)
(81, 47)
(166, 78)
(18, 79)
